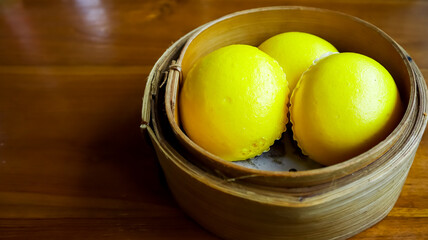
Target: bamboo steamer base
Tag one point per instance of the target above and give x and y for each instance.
(237, 209)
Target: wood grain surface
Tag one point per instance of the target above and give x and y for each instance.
(73, 164)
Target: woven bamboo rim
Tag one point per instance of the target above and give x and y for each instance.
(289, 179)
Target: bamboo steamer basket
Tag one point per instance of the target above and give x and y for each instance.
(349, 201)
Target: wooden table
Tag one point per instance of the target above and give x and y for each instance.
(73, 164)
